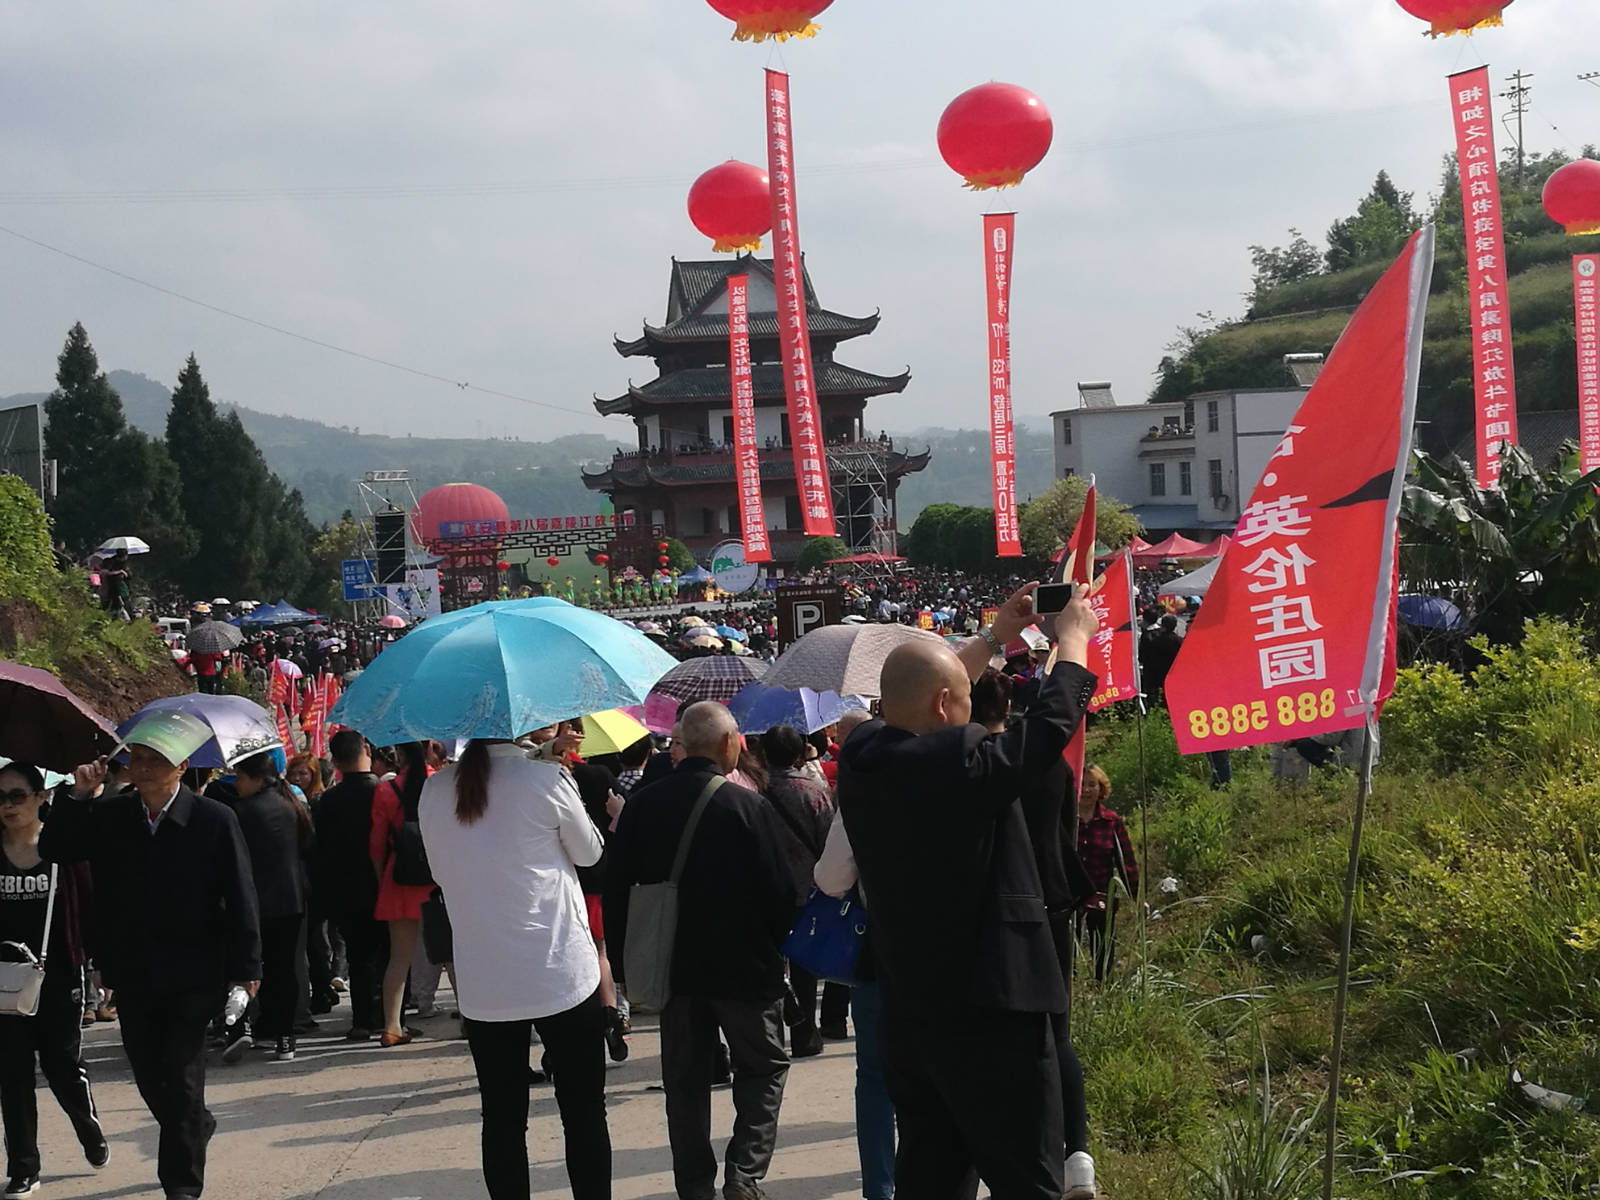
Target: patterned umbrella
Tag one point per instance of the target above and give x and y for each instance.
(718, 678)
(846, 659)
(214, 637)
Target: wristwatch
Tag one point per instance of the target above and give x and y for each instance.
(987, 634)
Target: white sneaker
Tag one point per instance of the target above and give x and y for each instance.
(1080, 1177)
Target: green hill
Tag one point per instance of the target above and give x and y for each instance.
(1304, 296)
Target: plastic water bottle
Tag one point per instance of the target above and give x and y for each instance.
(238, 1001)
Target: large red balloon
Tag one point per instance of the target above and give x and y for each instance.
(1448, 17)
(994, 134)
(732, 205)
(1572, 197)
(780, 20)
(454, 502)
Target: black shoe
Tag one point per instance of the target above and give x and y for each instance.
(616, 1044)
(804, 1042)
(21, 1185)
(98, 1155)
(321, 1006)
(358, 1034)
(835, 1032)
(747, 1189)
(238, 1042)
(285, 1050)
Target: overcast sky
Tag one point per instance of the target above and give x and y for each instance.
(486, 190)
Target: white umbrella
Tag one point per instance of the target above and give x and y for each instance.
(847, 659)
(132, 545)
(221, 601)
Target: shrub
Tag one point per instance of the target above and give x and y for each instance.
(1194, 825)
(26, 563)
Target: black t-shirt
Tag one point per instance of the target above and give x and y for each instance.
(23, 898)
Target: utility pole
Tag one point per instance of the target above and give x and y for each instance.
(1518, 93)
(1591, 77)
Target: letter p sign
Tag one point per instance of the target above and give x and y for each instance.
(808, 615)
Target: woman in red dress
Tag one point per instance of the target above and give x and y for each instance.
(399, 905)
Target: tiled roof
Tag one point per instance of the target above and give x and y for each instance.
(695, 282)
(712, 383)
(1539, 433)
(713, 327)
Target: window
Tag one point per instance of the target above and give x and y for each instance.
(1158, 479)
(1214, 469)
(1185, 479)
(1213, 416)
(733, 518)
(727, 429)
(1067, 472)
(1188, 414)
(1066, 433)
(791, 512)
(783, 419)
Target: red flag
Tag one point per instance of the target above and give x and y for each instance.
(999, 230)
(746, 456)
(1294, 635)
(1586, 296)
(794, 331)
(285, 733)
(330, 697)
(314, 719)
(1077, 566)
(278, 685)
(1488, 297)
(1114, 649)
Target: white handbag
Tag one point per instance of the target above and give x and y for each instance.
(21, 982)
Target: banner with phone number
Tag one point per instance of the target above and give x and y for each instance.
(1294, 638)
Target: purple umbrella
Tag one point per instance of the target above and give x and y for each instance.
(42, 723)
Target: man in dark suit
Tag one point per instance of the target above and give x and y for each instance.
(735, 907)
(344, 880)
(972, 990)
(178, 925)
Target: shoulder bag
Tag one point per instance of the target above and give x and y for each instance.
(826, 940)
(653, 920)
(21, 982)
(405, 844)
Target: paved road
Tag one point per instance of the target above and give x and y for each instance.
(356, 1122)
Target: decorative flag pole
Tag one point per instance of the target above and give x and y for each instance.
(1296, 636)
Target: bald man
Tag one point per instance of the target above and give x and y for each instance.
(735, 908)
(972, 989)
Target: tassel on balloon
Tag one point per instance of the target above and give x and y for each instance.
(1449, 17)
(780, 20)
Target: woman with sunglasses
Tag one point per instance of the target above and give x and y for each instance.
(54, 1035)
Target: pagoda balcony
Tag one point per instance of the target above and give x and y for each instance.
(685, 453)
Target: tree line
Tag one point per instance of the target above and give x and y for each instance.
(955, 537)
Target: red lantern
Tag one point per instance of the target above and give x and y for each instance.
(553, 561)
(661, 547)
(502, 566)
(1450, 17)
(1572, 197)
(602, 559)
(732, 205)
(994, 134)
(758, 20)
(662, 561)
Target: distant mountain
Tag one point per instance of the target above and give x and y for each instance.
(324, 461)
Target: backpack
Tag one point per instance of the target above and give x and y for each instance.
(409, 854)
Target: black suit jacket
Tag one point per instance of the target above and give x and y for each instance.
(280, 851)
(941, 841)
(735, 902)
(177, 908)
(345, 881)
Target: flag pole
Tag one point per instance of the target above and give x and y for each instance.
(1144, 859)
(1341, 994)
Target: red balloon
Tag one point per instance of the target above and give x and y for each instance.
(1449, 17)
(994, 134)
(502, 566)
(758, 20)
(732, 205)
(1572, 197)
(602, 559)
(554, 562)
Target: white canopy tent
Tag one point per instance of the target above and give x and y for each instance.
(1193, 584)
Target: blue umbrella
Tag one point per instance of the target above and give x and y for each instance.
(499, 669)
(728, 631)
(758, 708)
(239, 727)
(697, 575)
(1430, 612)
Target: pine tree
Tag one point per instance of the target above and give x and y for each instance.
(85, 423)
(194, 442)
(145, 495)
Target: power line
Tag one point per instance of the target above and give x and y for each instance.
(1590, 77)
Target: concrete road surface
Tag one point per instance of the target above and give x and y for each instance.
(355, 1122)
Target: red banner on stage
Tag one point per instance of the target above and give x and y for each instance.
(1114, 649)
(1488, 295)
(1586, 313)
(794, 330)
(746, 454)
(999, 230)
(1294, 636)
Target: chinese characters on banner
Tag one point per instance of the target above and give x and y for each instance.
(467, 529)
(285, 733)
(794, 331)
(1488, 295)
(1586, 294)
(1114, 649)
(315, 722)
(1294, 638)
(998, 231)
(746, 456)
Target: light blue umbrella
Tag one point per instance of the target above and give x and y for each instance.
(240, 727)
(758, 708)
(499, 669)
(728, 631)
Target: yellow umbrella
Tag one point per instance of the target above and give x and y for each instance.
(609, 732)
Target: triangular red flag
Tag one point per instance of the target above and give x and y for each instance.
(1077, 566)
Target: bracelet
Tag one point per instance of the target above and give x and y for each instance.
(987, 634)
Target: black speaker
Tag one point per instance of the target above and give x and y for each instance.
(389, 532)
(858, 523)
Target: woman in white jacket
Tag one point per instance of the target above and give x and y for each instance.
(504, 835)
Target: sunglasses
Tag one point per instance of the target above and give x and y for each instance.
(16, 796)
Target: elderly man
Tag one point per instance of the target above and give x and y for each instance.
(179, 923)
(735, 907)
(973, 994)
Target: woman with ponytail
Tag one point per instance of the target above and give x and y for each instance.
(400, 896)
(505, 834)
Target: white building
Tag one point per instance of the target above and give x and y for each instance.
(1185, 466)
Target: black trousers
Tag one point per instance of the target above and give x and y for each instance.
(574, 1044)
(977, 1094)
(281, 987)
(54, 1036)
(366, 946)
(835, 998)
(165, 1040)
(760, 1068)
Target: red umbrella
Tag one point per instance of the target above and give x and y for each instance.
(1176, 546)
(42, 723)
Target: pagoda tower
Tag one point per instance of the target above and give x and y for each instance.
(679, 481)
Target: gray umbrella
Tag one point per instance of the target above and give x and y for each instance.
(846, 659)
(214, 637)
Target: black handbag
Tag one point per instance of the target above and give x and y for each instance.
(410, 854)
(438, 939)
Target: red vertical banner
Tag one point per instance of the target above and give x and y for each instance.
(1077, 566)
(330, 697)
(1488, 295)
(1586, 313)
(278, 685)
(285, 732)
(315, 723)
(1114, 649)
(794, 330)
(746, 455)
(999, 230)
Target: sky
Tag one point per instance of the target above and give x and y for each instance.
(484, 192)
